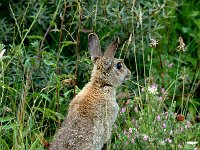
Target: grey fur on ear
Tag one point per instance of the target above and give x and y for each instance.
(111, 49)
(94, 45)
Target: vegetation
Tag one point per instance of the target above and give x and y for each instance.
(44, 62)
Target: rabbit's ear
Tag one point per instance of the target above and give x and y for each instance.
(94, 46)
(111, 49)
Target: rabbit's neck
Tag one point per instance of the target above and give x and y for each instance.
(102, 88)
(100, 83)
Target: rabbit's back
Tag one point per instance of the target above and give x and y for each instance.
(88, 124)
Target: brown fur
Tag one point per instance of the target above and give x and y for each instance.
(92, 112)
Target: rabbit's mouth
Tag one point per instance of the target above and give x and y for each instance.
(128, 76)
(106, 84)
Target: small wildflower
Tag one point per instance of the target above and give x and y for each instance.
(126, 143)
(133, 141)
(133, 120)
(128, 135)
(181, 46)
(162, 90)
(180, 117)
(166, 115)
(142, 89)
(153, 89)
(168, 140)
(136, 109)
(160, 98)
(164, 125)
(170, 65)
(145, 137)
(158, 118)
(130, 130)
(188, 124)
(181, 129)
(154, 43)
(125, 132)
(171, 132)
(155, 86)
(123, 109)
(128, 101)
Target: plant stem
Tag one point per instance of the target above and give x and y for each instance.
(135, 56)
(174, 94)
(77, 47)
(183, 90)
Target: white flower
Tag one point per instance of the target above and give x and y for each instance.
(181, 46)
(153, 43)
(168, 140)
(153, 89)
(171, 132)
(145, 137)
(192, 142)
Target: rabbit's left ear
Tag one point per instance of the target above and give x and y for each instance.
(94, 46)
(111, 49)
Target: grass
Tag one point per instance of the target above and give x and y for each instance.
(44, 62)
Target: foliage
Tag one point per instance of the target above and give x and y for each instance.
(44, 61)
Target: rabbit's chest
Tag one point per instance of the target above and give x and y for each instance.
(111, 107)
(115, 110)
(111, 110)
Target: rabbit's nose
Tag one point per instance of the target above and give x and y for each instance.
(128, 76)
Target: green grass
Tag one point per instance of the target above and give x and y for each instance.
(44, 61)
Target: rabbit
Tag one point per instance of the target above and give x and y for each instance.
(93, 111)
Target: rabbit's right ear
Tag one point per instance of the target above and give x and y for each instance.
(94, 46)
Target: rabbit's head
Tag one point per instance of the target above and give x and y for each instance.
(107, 71)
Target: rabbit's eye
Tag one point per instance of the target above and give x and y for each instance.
(119, 65)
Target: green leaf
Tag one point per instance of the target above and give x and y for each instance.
(194, 13)
(49, 63)
(185, 29)
(40, 95)
(8, 127)
(34, 37)
(59, 115)
(44, 96)
(5, 119)
(27, 65)
(3, 144)
(48, 113)
(66, 94)
(67, 43)
(35, 144)
(197, 22)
